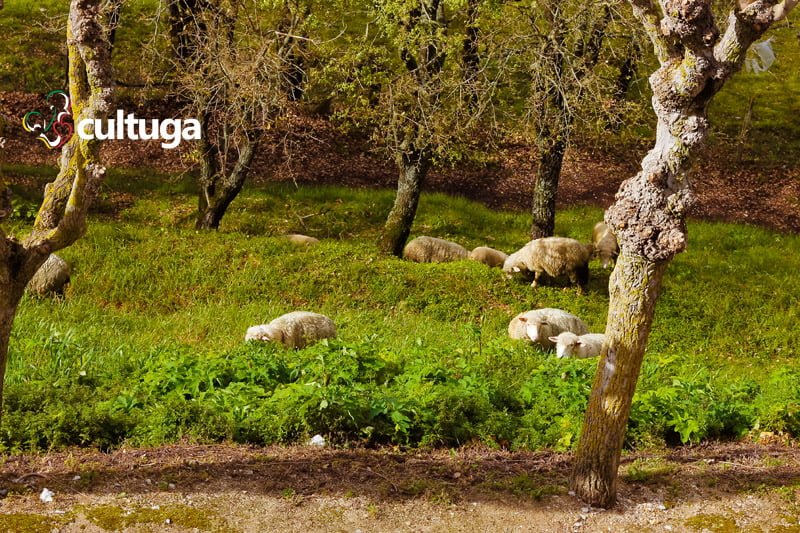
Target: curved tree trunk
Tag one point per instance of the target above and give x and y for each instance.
(413, 170)
(217, 190)
(648, 217)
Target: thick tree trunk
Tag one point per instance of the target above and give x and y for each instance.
(634, 288)
(648, 216)
(409, 187)
(9, 300)
(548, 173)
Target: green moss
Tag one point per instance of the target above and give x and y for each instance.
(114, 518)
(716, 523)
(30, 523)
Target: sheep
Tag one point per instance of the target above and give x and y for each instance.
(554, 256)
(539, 325)
(433, 250)
(569, 344)
(605, 244)
(51, 278)
(294, 330)
(301, 240)
(488, 256)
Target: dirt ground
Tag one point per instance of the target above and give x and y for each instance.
(717, 488)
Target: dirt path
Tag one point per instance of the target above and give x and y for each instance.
(740, 487)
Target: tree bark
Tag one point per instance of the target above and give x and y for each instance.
(634, 288)
(648, 216)
(217, 190)
(413, 170)
(548, 173)
(470, 54)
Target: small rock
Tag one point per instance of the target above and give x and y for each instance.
(167, 521)
(317, 440)
(571, 493)
(46, 496)
(586, 509)
(668, 527)
(171, 486)
(76, 478)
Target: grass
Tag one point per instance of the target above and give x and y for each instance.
(146, 346)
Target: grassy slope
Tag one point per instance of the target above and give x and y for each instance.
(153, 302)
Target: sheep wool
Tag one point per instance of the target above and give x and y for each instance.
(488, 256)
(294, 330)
(432, 250)
(301, 240)
(51, 278)
(605, 243)
(582, 347)
(540, 324)
(554, 256)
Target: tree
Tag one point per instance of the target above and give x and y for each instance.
(231, 68)
(696, 60)
(563, 46)
(420, 104)
(61, 219)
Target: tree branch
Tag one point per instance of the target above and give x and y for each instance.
(650, 17)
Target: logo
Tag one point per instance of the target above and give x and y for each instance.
(56, 131)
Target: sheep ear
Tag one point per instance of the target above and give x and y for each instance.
(516, 269)
(553, 339)
(578, 343)
(523, 319)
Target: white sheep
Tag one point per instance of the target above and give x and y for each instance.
(488, 256)
(554, 256)
(540, 325)
(432, 250)
(295, 330)
(301, 240)
(584, 346)
(605, 244)
(51, 278)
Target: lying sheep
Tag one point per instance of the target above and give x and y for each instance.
(554, 256)
(570, 345)
(51, 278)
(294, 330)
(541, 325)
(433, 250)
(488, 256)
(605, 244)
(301, 240)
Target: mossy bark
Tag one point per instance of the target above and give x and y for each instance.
(634, 288)
(548, 173)
(648, 216)
(61, 219)
(413, 171)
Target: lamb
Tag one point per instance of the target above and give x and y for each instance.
(554, 256)
(51, 278)
(301, 240)
(540, 325)
(605, 244)
(294, 330)
(569, 344)
(433, 250)
(488, 256)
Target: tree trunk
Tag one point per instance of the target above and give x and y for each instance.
(9, 300)
(648, 216)
(548, 173)
(470, 54)
(634, 288)
(218, 191)
(413, 170)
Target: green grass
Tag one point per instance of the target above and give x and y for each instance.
(146, 347)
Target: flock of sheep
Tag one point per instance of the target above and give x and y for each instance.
(548, 327)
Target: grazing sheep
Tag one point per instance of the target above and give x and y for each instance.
(294, 330)
(605, 244)
(554, 256)
(541, 324)
(570, 345)
(433, 250)
(488, 256)
(302, 240)
(51, 278)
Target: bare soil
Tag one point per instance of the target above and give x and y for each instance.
(722, 487)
